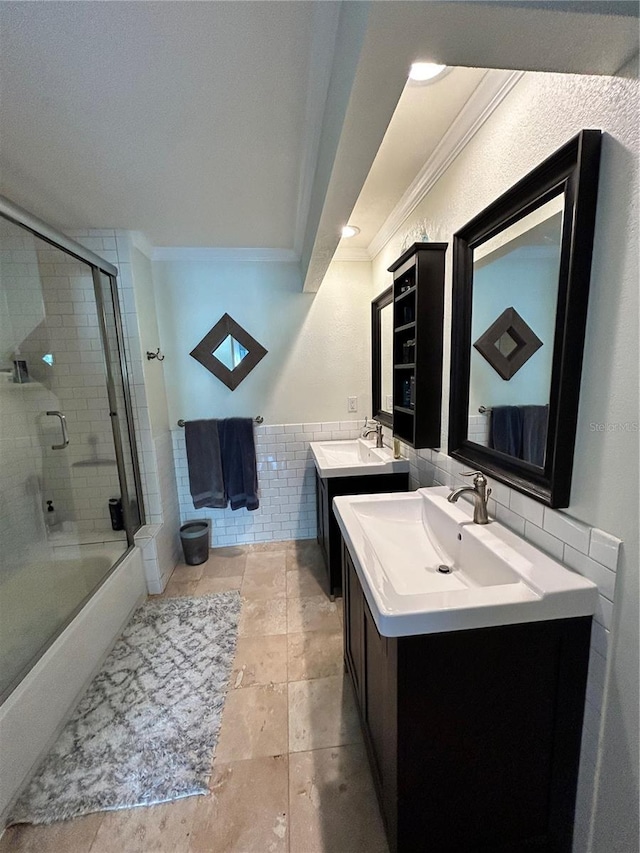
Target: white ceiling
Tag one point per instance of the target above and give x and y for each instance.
(255, 124)
(184, 120)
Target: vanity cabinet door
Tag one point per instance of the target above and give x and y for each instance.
(322, 515)
(376, 689)
(353, 600)
(319, 512)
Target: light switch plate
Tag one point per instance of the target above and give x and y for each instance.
(352, 404)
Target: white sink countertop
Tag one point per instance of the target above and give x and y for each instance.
(401, 543)
(354, 458)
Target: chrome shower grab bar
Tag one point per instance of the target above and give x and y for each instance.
(65, 434)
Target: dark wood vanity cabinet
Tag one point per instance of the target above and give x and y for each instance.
(329, 536)
(418, 316)
(473, 736)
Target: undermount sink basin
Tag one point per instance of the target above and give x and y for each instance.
(425, 567)
(354, 458)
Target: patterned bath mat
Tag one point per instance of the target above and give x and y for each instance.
(146, 729)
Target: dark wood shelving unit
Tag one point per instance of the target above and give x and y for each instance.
(418, 311)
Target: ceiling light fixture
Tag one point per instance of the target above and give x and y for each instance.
(350, 231)
(421, 72)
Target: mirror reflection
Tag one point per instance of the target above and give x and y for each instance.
(386, 358)
(515, 292)
(230, 352)
(382, 357)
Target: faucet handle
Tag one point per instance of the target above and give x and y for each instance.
(478, 476)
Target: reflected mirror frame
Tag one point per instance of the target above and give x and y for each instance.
(573, 171)
(380, 302)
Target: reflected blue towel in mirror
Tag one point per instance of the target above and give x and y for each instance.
(505, 433)
(520, 431)
(534, 433)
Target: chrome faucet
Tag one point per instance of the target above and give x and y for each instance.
(377, 428)
(480, 496)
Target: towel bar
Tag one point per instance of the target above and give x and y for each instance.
(484, 409)
(259, 419)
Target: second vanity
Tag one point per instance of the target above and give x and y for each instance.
(467, 649)
(354, 467)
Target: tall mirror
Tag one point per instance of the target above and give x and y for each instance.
(521, 280)
(382, 357)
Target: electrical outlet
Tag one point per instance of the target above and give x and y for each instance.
(352, 404)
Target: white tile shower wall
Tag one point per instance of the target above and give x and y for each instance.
(584, 549)
(157, 469)
(286, 478)
(75, 380)
(22, 528)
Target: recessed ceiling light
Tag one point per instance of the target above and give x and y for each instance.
(423, 71)
(350, 231)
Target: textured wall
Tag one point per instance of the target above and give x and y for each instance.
(318, 343)
(542, 112)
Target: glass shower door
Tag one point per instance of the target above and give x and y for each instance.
(61, 502)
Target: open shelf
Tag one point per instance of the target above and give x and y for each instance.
(418, 310)
(405, 293)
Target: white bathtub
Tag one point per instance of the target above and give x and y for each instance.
(33, 715)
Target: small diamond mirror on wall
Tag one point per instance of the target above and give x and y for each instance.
(229, 352)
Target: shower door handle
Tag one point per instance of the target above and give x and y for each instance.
(65, 434)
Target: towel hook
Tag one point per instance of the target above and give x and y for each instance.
(156, 354)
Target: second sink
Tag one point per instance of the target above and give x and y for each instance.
(354, 458)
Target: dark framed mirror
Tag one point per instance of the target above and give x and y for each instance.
(521, 273)
(382, 357)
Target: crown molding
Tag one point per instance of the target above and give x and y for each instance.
(489, 94)
(346, 253)
(187, 253)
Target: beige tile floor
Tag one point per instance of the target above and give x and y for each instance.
(290, 773)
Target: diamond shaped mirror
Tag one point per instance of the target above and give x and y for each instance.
(228, 352)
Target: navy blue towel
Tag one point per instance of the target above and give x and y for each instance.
(238, 451)
(206, 481)
(506, 430)
(534, 434)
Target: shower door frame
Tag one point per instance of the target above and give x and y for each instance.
(43, 231)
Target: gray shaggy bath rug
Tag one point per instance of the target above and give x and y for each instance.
(146, 729)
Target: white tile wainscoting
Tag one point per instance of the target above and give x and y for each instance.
(286, 477)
